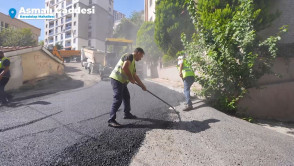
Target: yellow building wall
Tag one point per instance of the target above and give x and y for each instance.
(38, 64)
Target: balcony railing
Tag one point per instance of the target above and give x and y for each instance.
(50, 41)
(68, 28)
(67, 44)
(52, 33)
(68, 36)
(68, 3)
(51, 26)
(68, 19)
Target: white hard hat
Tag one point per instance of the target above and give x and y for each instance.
(180, 57)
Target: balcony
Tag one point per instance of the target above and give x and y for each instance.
(68, 3)
(52, 3)
(67, 28)
(68, 19)
(68, 36)
(51, 41)
(51, 33)
(67, 44)
(51, 25)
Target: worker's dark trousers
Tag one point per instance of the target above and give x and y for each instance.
(121, 94)
(188, 81)
(3, 82)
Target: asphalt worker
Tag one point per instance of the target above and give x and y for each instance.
(187, 74)
(4, 77)
(123, 73)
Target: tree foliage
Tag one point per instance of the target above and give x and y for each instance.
(172, 19)
(17, 37)
(226, 51)
(145, 39)
(59, 46)
(129, 27)
(41, 43)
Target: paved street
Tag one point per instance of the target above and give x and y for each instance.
(70, 127)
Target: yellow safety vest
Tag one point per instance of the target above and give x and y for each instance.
(187, 70)
(1, 63)
(118, 73)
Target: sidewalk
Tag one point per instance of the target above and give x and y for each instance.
(281, 127)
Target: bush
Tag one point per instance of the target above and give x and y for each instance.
(226, 52)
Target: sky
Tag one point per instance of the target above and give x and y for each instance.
(126, 7)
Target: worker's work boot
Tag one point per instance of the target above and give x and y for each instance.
(188, 108)
(113, 123)
(130, 116)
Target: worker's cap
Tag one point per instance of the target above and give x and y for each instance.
(180, 57)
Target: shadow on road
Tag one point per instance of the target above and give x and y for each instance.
(191, 126)
(44, 86)
(69, 69)
(40, 103)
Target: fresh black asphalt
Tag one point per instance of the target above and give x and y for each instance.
(70, 128)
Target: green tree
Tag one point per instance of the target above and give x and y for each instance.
(171, 20)
(59, 46)
(145, 39)
(129, 27)
(226, 50)
(17, 37)
(41, 43)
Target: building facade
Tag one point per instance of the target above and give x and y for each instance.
(118, 15)
(73, 30)
(7, 22)
(149, 10)
(117, 18)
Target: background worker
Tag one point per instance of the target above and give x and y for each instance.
(123, 73)
(4, 76)
(187, 74)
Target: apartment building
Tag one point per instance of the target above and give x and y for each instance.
(74, 30)
(149, 10)
(117, 16)
(7, 22)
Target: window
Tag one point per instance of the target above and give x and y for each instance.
(110, 2)
(89, 43)
(74, 40)
(75, 14)
(109, 9)
(90, 2)
(89, 34)
(90, 17)
(150, 2)
(75, 23)
(46, 25)
(6, 25)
